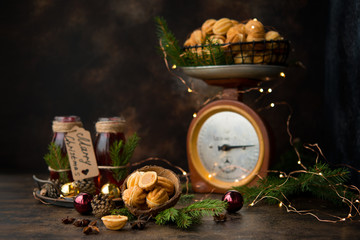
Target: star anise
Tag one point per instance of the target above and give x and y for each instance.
(220, 217)
(138, 224)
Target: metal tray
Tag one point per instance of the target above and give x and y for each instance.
(245, 71)
(62, 202)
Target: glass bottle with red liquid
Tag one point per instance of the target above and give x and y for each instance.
(61, 125)
(108, 131)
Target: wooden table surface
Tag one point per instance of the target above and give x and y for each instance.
(23, 217)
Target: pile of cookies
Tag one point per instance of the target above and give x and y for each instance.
(248, 42)
(146, 190)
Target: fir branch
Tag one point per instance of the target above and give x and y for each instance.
(192, 214)
(184, 220)
(168, 215)
(168, 42)
(186, 198)
(115, 152)
(123, 211)
(204, 55)
(206, 207)
(120, 155)
(57, 161)
(129, 148)
(319, 180)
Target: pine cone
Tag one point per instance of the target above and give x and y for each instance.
(85, 186)
(102, 205)
(48, 190)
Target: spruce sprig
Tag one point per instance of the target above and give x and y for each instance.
(186, 198)
(323, 186)
(123, 211)
(204, 55)
(192, 214)
(121, 153)
(169, 42)
(57, 161)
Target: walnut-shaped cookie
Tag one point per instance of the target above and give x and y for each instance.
(222, 26)
(148, 180)
(134, 196)
(255, 30)
(207, 27)
(167, 184)
(217, 39)
(133, 179)
(157, 197)
(197, 37)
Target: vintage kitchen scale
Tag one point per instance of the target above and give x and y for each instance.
(227, 142)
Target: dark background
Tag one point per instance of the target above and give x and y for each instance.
(100, 58)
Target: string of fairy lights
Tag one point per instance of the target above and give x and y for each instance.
(353, 204)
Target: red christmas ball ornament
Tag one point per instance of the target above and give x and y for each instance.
(82, 203)
(234, 199)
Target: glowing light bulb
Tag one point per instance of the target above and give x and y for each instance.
(194, 115)
(320, 174)
(299, 162)
(255, 19)
(261, 90)
(280, 204)
(173, 66)
(236, 180)
(184, 173)
(209, 176)
(356, 201)
(272, 104)
(252, 26)
(269, 90)
(251, 204)
(282, 74)
(349, 216)
(189, 90)
(281, 175)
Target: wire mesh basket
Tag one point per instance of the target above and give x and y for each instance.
(273, 52)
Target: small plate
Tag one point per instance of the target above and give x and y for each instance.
(63, 202)
(241, 71)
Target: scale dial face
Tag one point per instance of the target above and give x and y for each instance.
(227, 145)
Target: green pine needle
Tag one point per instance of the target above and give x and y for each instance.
(124, 212)
(323, 187)
(121, 154)
(186, 198)
(57, 161)
(169, 42)
(192, 214)
(209, 54)
(168, 215)
(183, 220)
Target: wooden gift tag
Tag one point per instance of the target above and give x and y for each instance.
(81, 154)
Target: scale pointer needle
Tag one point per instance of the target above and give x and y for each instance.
(227, 147)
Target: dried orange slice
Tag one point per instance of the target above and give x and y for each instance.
(148, 180)
(114, 222)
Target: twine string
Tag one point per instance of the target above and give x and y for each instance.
(110, 126)
(59, 170)
(64, 126)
